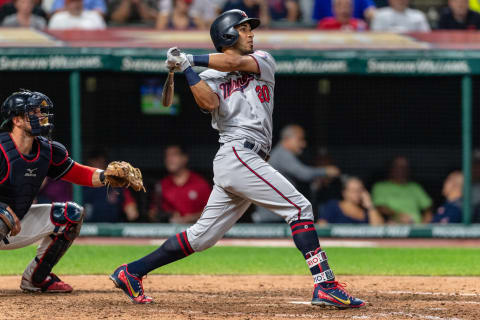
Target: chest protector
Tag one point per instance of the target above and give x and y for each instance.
(24, 177)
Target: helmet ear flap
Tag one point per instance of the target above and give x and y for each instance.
(230, 37)
(12, 107)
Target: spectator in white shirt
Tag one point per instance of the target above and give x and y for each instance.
(398, 17)
(76, 18)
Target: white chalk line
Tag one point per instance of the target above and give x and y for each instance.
(300, 302)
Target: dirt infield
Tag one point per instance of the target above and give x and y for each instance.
(246, 297)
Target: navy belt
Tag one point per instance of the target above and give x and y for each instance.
(251, 146)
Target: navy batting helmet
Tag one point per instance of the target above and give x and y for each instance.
(222, 30)
(24, 102)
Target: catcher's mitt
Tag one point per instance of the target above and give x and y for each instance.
(123, 174)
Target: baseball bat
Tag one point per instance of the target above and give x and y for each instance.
(167, 92)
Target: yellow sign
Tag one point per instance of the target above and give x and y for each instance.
(24, 37)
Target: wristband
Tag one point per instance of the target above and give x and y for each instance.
(102, 177)
(201, 60)
(192, 77)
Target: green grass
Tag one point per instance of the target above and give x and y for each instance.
(81, 259)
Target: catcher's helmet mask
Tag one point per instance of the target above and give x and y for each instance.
(35, 105)
(223, 32)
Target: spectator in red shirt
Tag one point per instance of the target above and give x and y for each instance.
(182, 194)
(342, 19)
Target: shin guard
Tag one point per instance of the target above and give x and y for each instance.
(68, 216)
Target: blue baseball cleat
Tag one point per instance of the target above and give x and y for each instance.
(332, 293)
(130, 284)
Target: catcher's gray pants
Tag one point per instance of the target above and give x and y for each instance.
(241, 177)
(36, 225)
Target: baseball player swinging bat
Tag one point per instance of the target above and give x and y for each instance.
(237, 90)
(167, 93)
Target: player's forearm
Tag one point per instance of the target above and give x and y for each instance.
(84, 176)
(97, 179)
(203, 94)
(225, 62)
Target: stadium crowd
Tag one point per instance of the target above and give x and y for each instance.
(345, 15)
(181, 194)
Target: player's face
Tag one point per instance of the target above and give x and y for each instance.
(41, 114)
(24, 122)
(244, 44)
(25, 126)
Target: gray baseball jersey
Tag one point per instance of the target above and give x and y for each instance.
(241, 176)
(246, 102)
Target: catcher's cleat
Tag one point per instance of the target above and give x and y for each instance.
(332, 293)
(51, 284)
(130, 284)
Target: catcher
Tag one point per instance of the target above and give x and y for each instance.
(28, 156)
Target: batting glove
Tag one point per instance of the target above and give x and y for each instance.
(179, 63)
(173, 58)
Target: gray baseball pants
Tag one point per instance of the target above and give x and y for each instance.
(241, 178)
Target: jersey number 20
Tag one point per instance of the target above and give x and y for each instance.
(263, 93)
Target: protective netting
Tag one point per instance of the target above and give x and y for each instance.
(357, 123)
